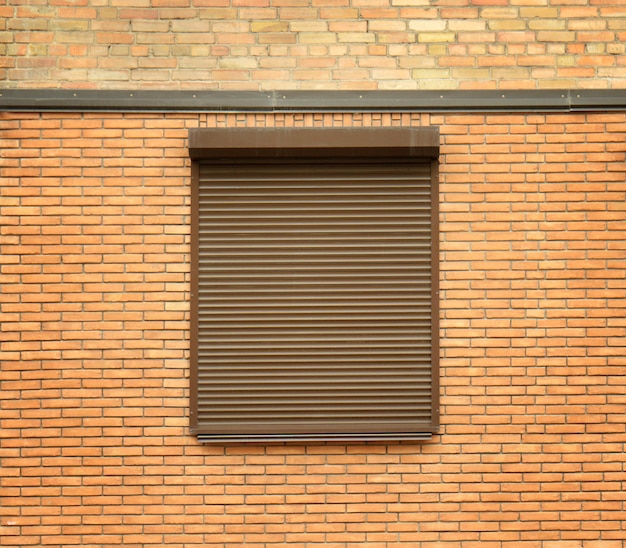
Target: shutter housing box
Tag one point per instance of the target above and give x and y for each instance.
(314, 311)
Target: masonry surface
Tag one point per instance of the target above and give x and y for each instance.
(94, 417)
(314, 44)
(95, 449)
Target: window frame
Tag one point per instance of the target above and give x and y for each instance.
(277, 146)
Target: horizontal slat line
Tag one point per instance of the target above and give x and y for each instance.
(331, 313)
(367, 337)
(212, 181)
(325, 301)
(390, 243)
(281, 389)
(410, 266)
(353, 262)
(289, 388)
(322, 216)
(316, 198)
(312, 396)
(300, 278)
(339, 380)
(222, 301)
(324, 318)
(250, 332)
(311, 359)
(419, 404)
(245, 200)
(252, 327)
(243, 344)
(396, 255)
(419, 400)
(344, 386)
(312, 410)
(225, 307)
(311, 425)
(250, 378)
(322, 174)
(303, 295)
(279, 190)
(412, 209)
(307, 415)
(376, 238)
(320, 237)
(330, 307)
(314, 331)
(397, 403)
(376, 282)
(307, 230)
(417, 350)
(295, 388)
(299, 233)
(297, 291)
(313, 200)
(315, 168)
(318, 410)
(419, 366)
(289, 192)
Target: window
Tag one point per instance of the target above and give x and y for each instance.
(314, 284)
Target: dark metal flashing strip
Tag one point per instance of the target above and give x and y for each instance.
(61, 100)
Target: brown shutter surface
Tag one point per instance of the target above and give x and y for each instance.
(313, 300)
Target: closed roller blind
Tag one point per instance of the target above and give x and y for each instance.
(313, 301)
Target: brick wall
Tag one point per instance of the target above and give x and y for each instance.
(313, 44)
(94, 269)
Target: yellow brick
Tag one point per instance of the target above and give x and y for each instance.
(356, 37)
(566, 61)
(499, 13)
(427, 25)
(317, 38)
(556, 36)
(465, 25)
(427, 37)
(511, 73)
(470, 73)
(433, 83)
(437, 49)
(507, 24)
(37, 49)
(547, 24)
(431, 74)
(546, 83)
(596, 48)
(269, 26)
(217, 13)
(237, 63)
(543, 13)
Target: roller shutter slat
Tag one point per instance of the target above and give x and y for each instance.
(314, 293)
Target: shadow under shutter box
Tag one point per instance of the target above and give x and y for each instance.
(314, 284)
